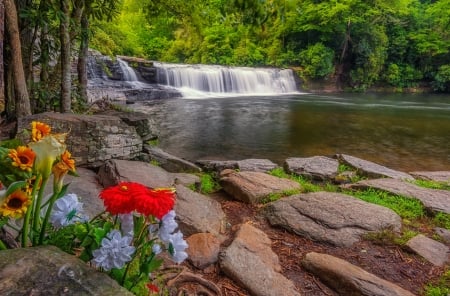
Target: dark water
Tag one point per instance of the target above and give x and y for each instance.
(405, 132)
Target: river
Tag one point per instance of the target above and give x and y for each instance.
(402, 131)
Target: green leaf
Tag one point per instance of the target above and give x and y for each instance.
(15, 186)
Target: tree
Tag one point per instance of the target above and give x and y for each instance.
(66, 81)
(22, 101)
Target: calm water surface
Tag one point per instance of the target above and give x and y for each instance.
(405, 132)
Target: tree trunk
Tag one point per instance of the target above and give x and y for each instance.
(82, 57)
(65, 58)
(2, 68)
(22, 99)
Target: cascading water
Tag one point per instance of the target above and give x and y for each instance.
(128, 72)
(212, 79)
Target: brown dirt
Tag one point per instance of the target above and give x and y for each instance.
(389, 262)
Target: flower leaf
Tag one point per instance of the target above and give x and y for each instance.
(151, 266)
(15, 186)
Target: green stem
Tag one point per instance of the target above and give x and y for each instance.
(47, 216)
(37, 209)
(2, 245)
(31, 209)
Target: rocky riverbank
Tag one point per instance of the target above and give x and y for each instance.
(259, 234)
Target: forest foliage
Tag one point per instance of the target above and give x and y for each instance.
(357, 43)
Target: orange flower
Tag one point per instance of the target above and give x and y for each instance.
(22, 157)
(15, 205)
(39, 130)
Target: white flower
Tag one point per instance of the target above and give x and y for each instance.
(168, 226)
(114, 252)
(126, 224)
(156, 248)
(179, 246)
(67, 210)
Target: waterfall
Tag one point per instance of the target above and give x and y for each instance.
(226, 80)
(128, 72)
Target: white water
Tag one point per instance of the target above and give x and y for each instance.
(213, 80)
(128, 72)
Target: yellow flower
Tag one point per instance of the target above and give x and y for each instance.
(47, 150)
(39, 130)
(15, 205)
(22, 157)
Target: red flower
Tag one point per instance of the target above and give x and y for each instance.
(152, 288)
(156, 202)
(120, 199)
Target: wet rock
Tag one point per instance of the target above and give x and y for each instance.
(334, 218)
(170, 162)
(203, 249)
(197, 213)
(371, 169)
(433, 200)
(437, 176)
(434, 251)
(50, 271)
(253, 187)
(114, 171)
(250, 261)
(217, 165)
(348, 279)
(316, 167)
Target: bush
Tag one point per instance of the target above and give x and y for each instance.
(317, 61)
(442, 79)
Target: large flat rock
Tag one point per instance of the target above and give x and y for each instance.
(371, 169)
(348, 279)
(316, 167)
(250, 165)
(50, 271)
(433, 200)
(250, 261)
(253, 187)
(334, 218)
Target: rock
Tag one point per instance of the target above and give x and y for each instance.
(443, 233)
(203, 249)
(348, 279)
(434, 200)
(256, 165)
(197, 213)
(251, 165)
(435, 252)
(372, 170)
(114, 171)
(50, 271)
(329, 217)
(253, 187)
(93, 139)
(142, 122)
(186, 179)
(317, 167)
(437, 176)
(250, 261)
(170, 162)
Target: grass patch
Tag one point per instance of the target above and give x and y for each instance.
(306, 184)
(442, 220)
(441, 287)
(276, 196)
(155, 162)
(431, 184)
(207, 184)
(154, 142)
(388, 237)
(344, 168)
(406, 208)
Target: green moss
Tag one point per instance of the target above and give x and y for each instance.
(388, 237)
(441, 287)
(442, 220)
(431, 184)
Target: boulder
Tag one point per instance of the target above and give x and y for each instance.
(203, 249)
(329, 217)
(253, 187)
(170, 162)
(250, 261)
(443, 233)
(348, 279)
(317, 167)
(49, 271)
(371, 169)
(251, 165)
(143, 123)
(197, 213)
(437, 176)
(434, 200)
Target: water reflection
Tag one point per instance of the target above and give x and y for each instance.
(407, 132)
